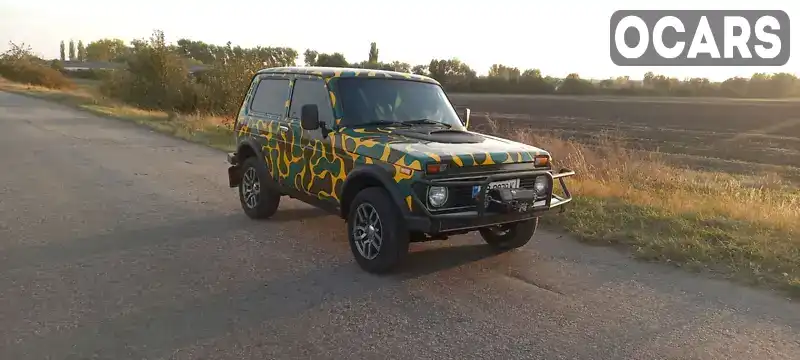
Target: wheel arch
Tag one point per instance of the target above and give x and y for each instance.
(365, 177)
(250, 148)
(247, 148)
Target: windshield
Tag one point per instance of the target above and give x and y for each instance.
(369, 101)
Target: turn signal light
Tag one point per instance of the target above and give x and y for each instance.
(435, 168)
(541, 161)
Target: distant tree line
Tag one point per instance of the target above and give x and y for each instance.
(194, 76)
(459, 77)
(103, 50)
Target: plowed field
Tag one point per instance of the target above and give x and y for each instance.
(743, 132)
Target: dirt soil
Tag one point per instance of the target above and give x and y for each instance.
(707, 130)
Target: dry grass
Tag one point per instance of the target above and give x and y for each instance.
(209, 130)
(742, 226)
(738, 225)
(610, 170)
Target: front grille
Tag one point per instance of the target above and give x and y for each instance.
(527, 183)
(460, 196)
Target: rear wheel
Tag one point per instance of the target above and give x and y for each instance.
(510, 236)
(376, 232)
(258, 201)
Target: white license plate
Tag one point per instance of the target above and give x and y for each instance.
(508, 184)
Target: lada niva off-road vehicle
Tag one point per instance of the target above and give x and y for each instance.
(389, 153)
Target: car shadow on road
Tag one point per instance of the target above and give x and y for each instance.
(73, 249)
(298, 214)
(434, 260)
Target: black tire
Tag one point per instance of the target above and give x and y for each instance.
(393, 233)
(510, 236)
(265, 202)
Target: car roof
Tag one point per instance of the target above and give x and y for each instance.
(331, 72)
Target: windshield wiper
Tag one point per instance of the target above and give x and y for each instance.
(426, 121)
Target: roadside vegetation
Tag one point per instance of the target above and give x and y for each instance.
(742, 226)
(18, 64)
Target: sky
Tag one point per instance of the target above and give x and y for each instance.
(557, 37)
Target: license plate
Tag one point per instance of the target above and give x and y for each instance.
(508, 184)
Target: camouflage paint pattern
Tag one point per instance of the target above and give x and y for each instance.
(319, 166)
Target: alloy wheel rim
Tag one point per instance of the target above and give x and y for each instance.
(368, 231)
(251, 188)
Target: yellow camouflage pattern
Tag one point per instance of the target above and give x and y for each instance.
(318, 166)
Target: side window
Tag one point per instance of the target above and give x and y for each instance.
(270, 96)
(311, 92)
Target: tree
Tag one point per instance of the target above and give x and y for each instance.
(105, 50)
(450, 70)
(62, 50)
(334, 60)
(275, 56)
(734, 87)
(310, 57)
(196, 50)
(696, 87)
(532, 82)
(373, 53)
(621, 81)
(400, 66)
(647, 81)
(81, 51)
(314, 58)
(452, 74)
(72, 50)
(505, 72)
(532, 73)
(420, 69)
(783, 85)
(156, 77)
(21, 52)
(573, 84)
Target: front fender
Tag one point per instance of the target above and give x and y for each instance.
(369, 175)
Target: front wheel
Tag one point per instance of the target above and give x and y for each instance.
(376, 232)
(258, 201)
(510, 236)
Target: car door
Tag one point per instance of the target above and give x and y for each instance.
(321, 170)
(268, 121)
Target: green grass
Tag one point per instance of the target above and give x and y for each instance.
(744, 227)
(735, 249)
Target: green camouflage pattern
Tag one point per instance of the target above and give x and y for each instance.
(319, 167)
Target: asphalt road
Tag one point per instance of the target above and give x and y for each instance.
(119, 243)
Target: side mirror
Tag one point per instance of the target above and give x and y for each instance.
(465, 117)
(309, 117)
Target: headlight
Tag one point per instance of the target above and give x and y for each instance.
(437, 196)
(540, 185)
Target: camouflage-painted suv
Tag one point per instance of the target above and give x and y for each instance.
(387, 152)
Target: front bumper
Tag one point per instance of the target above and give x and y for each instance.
(423, 220)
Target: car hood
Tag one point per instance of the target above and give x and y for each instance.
(414, 147)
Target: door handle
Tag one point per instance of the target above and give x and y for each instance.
(284, 128)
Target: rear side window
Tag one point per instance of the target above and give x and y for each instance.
(311, 92)
(270, 97)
